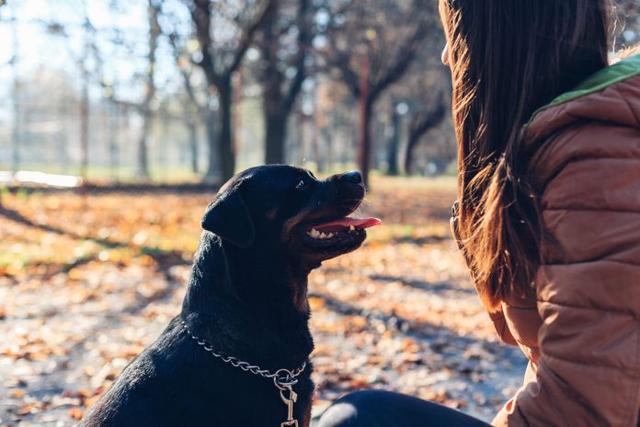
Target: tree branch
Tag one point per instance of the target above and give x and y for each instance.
(406, 55)
(247, 37)
(304, 43)
(186, 77)
(201, 16)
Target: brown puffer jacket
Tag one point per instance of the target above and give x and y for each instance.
(580, 328)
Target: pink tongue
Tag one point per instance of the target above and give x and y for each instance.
(348, 222)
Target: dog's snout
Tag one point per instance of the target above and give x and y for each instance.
(353, 177)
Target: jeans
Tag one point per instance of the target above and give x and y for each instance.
(377, 408)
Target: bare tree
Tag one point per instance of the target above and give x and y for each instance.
(89, 50)
(142, 164)
(194, 109)
(393, 136)
(372, 44)
(225, 31)
(423, 119)
(15, 95)
(284, 43)
(88, 44)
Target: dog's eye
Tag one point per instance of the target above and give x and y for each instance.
(301, 185)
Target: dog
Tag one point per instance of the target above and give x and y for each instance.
(237, 355)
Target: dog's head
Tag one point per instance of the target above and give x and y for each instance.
(286, 209)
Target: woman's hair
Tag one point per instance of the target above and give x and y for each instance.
(509, 58)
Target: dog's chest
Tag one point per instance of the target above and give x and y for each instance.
(236, 398)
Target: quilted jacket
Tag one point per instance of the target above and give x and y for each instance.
(580, 327)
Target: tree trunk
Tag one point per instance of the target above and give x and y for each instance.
(364, 155)
(394, 144)
(366, 106)
(212, 144)
(224, 140)
(15, 133)
(142, 164)
(114, 115)
(84, 124)
(276, 135)
(193, 144)
(142, 170)
(315, 146)
(418, 128)
(409, 155)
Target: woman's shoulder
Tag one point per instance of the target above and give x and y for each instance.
(598, 122)
(610, 96)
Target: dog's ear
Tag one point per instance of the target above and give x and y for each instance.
(228, 217)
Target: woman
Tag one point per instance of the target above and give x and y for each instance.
(549, 211)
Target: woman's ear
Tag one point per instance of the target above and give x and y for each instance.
(228, 216)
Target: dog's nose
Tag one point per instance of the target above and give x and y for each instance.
(353, 177)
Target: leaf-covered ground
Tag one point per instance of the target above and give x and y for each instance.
(87, 281)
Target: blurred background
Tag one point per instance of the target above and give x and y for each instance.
(178, 90)
(119, 119)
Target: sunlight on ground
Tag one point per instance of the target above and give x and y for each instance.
(88, 281)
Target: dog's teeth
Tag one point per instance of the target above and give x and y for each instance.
(319, 234)
(314, 233)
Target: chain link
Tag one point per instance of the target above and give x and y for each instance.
(284, 379)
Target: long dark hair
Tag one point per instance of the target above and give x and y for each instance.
(509, 58)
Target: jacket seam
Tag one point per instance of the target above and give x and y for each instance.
(637, 212)
(591, 307)
(577, 129)
(567, 263)
(590, 364)
(585, 157)
(633, 113)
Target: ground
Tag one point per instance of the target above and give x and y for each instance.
(87, 281)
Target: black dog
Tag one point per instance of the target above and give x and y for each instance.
(247, 303)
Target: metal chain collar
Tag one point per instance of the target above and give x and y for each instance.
(284, 379)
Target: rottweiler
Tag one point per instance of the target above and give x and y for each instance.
(237, 355)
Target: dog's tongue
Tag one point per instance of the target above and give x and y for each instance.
(349, 222)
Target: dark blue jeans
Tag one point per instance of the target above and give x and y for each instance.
(377, 408)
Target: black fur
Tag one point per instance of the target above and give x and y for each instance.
(247, 298)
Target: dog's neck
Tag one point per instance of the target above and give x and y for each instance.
(248, 307)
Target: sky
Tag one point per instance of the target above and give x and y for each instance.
(64, 50)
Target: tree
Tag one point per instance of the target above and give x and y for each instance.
(142, 164)
(15, 95)
(194, 110)
(422, 120)
(372, 44)
(393, 145)
(225, 32)
(284, 43)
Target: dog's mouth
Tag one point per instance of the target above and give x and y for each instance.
(339, 235)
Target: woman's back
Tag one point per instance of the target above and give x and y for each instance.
(585, 311)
